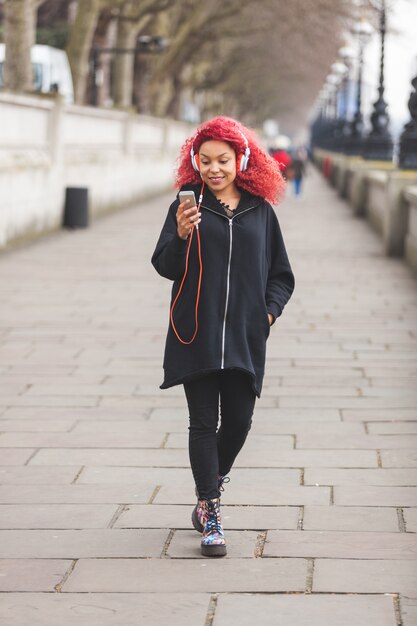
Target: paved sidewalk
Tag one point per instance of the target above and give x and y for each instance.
(96, 494)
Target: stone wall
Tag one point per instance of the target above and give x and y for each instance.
(384, 195)
(46, 146)
(411, 237)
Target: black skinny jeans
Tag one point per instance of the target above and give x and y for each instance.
(212, 451)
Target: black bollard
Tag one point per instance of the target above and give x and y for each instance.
(76, 207)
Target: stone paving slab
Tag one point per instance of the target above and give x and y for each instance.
(410, 517)
(352, 518)
(328, 378)
(186, 543)
(333, 441)
(150, 476)
(16, 456)
(81, 440)
(340, 544)
(367, 576)
(43, 426)
(408, 611)
(375, 496)
(32, 574)
(84, 389)
(31, 475)
(378, 476)
(151, 457)
(300, 609)
(378, 415)
(106, 609)
(75, 494)
(50, 401)
(326, 402)
(382, 428)
(84, 543)
(132, 426)
(234, 517)
(56, 515)
(195, 575)
(98, 413)
(272, 426)
(396, 458)
(292, 391)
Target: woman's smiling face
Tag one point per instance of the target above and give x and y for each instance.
(218, 166)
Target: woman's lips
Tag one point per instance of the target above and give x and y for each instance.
(216, 179)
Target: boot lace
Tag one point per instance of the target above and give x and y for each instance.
(222, 480)
(213, 523)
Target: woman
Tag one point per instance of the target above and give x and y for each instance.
(232, 279)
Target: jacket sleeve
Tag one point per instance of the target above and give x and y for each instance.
(169, 256)
(280, 283)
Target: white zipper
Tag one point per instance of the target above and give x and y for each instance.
(227, 290)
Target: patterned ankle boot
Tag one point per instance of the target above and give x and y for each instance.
(198, 515)
(212, 541)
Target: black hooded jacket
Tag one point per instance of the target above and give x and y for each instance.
(246, 275)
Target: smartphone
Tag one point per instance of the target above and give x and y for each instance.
(188, 195)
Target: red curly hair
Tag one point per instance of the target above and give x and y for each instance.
(262, 177)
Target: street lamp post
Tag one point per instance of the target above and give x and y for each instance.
(146, 44)
(340, 70)
(347, 55)
(354, 143)
(407, 159)
(379, 144)
(331, 85)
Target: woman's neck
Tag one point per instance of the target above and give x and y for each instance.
(229, 196)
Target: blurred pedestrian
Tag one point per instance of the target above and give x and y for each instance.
(284, 160)
(298, 168)
(228, 308)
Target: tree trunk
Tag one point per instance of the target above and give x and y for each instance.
(174, 105)
(19, 36)
(79, 44)
(124, 64)
(142, 74)
(101, 39)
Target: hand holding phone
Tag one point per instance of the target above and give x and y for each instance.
(187, 214)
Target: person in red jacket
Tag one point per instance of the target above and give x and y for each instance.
(284, 160)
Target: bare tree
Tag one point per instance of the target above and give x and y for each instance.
(19, 37)
(251, 59)
(79, 44)
(272, 60)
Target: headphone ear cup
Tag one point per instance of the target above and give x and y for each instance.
(244, 160)
(195, 160)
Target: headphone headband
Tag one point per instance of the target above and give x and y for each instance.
(243, 161)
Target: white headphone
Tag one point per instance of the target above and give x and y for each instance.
(243, 160)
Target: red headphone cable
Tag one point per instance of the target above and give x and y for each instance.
(197, 301)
